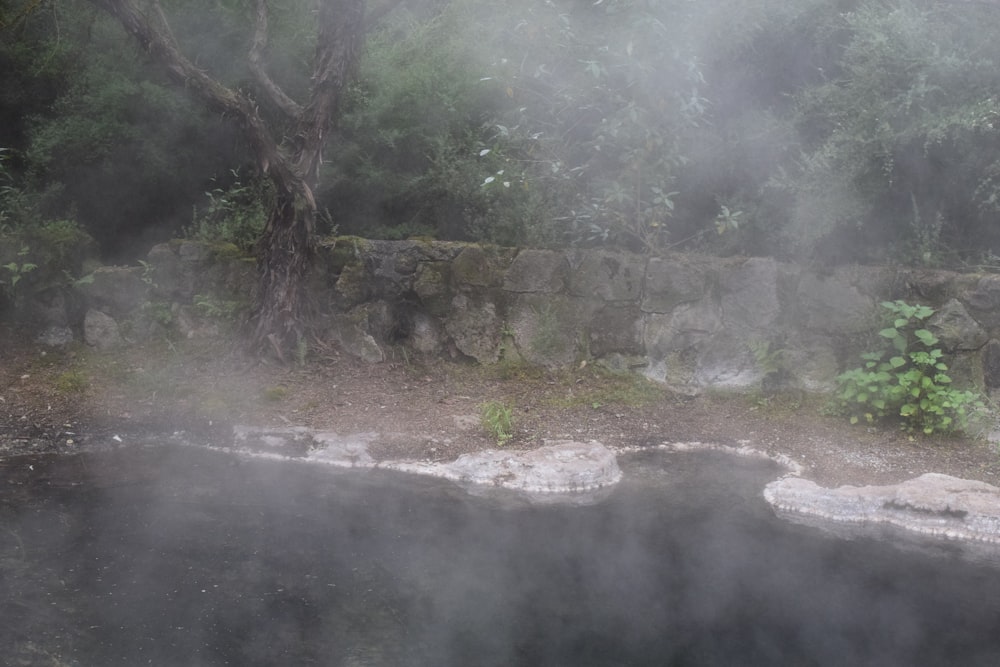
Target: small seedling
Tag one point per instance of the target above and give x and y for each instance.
(497, 419)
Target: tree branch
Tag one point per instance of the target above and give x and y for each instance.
(159, 42)
(290, 107)
(340, 33)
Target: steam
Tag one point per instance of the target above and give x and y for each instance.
(167, 556)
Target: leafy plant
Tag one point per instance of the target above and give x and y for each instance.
(770, 361)
(234, 214)
(17, 269)
(497, 418)
(214, 307)
(907, 379)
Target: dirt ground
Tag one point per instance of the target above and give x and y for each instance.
(63, 400)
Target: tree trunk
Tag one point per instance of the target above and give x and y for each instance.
(287, 248)
(286, 251)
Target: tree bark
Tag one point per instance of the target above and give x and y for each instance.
(286, 250)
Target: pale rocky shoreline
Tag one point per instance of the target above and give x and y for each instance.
(933, 509)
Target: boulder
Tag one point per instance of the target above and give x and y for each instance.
(538, 271)
(475, 325)
(832, 305)
(670, 282)
(608, 276)
(956, 329)
(100, 330)
(116, 290)
(750, 295)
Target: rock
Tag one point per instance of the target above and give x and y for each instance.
(833, 306)
(478, 267)
(542, 271)
(991, 364)
(615, 330)
(608, 276)
(547, 329)
(351, 333)
(475, 326)
(933, 504)
(956, 329)
(983, 301)
(116, 290)
(750, 295)
(56, 336)
(426, 336)
(561, 466)
(100, 330)
(671, 282)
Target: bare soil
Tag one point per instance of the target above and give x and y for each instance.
(65, 400)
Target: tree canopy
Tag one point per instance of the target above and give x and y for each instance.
(856, 130)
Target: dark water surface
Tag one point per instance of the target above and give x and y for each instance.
(179, 556)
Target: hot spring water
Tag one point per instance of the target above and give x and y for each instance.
(180, 556)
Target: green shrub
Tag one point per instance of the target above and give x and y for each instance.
(907, 379)
(235, 215)
(497, 419)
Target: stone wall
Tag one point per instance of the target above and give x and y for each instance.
(686, 320)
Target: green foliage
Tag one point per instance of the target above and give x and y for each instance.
(235, 215)
(900, 141)
(15, 271)
(907, 379)
(420, 158)
(497, 419)
(39, 257)
(222, 309)
(856, 129)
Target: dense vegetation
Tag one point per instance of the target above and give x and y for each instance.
(822, 131)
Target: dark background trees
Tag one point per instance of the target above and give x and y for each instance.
(821, 131)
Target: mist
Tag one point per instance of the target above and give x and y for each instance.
(174, 556)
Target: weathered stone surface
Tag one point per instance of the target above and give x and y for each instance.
(481, 267)
(676, 342)
(811, 363)
(609, 276)
(53, 308)
(100, 330)
(750, 294)
(560, 467)
(56, 336)
(956, 329)
(547, 329)
(432, 287)
(726, 361)
(475, 325)
(426, 335)
(542, 271)
(353, 286)
(991, 364)
(175, 269)
(831, 305)
(615, 330)
(350, 331)
(983, 301)
(689, 326)
(933, 504)
(673, 281)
